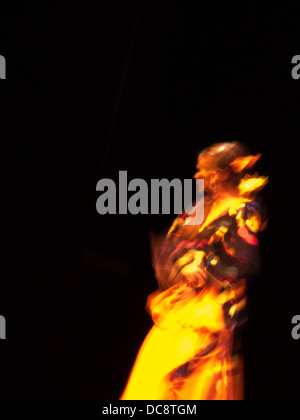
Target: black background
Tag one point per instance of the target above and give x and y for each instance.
(142, 87)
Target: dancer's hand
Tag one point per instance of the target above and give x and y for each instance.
(194, 275)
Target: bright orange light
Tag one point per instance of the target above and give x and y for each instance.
(250, 184)
(242, 163)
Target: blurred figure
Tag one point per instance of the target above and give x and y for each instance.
(193, 351)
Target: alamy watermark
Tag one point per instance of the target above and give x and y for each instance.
(2, 328)
(296, 329)
(160, 197)
(296, 68)
(2, 67)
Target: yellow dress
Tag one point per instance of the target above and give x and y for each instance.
(189, 352)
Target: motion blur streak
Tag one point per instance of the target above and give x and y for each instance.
(193, 350)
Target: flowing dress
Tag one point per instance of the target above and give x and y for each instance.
(193, 351)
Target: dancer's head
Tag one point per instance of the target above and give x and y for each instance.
(222, 167)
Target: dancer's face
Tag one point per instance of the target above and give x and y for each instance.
(207, 170)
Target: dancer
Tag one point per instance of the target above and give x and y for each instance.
(193, 351)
